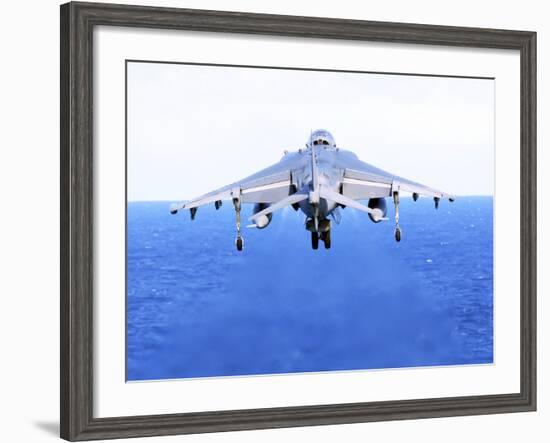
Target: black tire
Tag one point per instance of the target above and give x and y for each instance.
(239, 244)
(326, 239)
(398, 235)
(314, 240)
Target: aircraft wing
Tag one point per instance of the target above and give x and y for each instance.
(363, 181)
(363, 185)
(269, 185)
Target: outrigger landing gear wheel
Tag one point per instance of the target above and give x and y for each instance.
(239, 243)
(325, 236)
(397, 234)
(315, 240)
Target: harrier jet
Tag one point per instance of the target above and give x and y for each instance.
(318, 180)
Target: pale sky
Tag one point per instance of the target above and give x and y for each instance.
(192, 129)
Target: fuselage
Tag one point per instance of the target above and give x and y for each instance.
(322, 170)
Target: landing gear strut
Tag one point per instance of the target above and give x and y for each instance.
(320, 230)
(325, 236)
(397, 228)
(314, 240)
(239, 242)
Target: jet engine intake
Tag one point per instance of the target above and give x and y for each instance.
(378, 205)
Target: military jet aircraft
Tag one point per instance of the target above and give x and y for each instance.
(318, 180)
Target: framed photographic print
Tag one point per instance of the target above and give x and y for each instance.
(273, 221)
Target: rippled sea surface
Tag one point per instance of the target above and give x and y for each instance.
(198, 308)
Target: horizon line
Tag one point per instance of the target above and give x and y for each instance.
(184, 200)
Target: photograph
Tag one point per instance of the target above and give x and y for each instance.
(294, 218)
(284, 220)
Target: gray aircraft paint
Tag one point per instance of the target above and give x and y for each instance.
(317, 180)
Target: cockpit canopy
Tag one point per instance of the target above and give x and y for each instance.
(323, 138)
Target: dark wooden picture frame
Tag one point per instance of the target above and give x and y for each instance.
(77, 23)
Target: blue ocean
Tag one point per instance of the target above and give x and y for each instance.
(196, 307)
